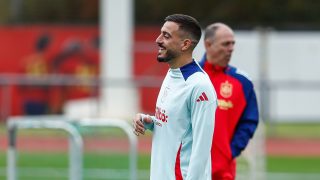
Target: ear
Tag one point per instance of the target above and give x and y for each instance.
(186, 44)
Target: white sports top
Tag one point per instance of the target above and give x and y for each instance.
(183, 125)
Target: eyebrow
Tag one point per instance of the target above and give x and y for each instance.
(166, 33)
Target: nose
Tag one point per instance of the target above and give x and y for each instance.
(231, 47)
(159, 39)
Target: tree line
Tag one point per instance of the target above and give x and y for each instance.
(240, 14)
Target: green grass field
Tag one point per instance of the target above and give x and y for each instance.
(39, 165)
(120, 161)
(293, 130)
(293, 164)
(91, 160)
(57, 163)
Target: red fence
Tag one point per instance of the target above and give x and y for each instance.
(69, 50)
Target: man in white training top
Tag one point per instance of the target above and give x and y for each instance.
(184, 119)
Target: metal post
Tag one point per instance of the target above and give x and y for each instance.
(75, 140)
(264, 35)
(11, 160)
(116, 51)
(15, 10)
(54, 122)
(127, 129)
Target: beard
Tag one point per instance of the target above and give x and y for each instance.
(169, 56)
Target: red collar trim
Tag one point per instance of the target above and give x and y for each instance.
(212, 67)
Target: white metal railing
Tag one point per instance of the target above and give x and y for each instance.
(53, 122)
(101, 122)
(75, 140)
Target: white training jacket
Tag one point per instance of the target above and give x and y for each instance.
(183, 125)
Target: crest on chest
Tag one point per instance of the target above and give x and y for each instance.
(226, 89)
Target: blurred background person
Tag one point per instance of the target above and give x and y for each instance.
(74, 60)
(35, 97)
(237, 113)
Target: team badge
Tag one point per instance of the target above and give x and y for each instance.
(226, 89)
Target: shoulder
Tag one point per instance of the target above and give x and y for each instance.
(200, 82)
(240, 75)
(195, 76)
(190, 70)
(199, 79)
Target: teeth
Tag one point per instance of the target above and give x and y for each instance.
(161, 50)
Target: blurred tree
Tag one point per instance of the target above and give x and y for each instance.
(4, 11)
(55, 11)
(281, 14)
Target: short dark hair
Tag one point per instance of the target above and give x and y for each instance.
(187, 24)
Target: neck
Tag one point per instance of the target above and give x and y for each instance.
(216, 61)
(180, 61)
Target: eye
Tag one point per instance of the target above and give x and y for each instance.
(166, 35)
(228, 43)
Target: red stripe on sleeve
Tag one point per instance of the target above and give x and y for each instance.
(177, 166)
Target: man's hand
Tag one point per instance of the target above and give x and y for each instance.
(137, 122)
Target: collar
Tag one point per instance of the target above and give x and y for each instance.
(214, 68)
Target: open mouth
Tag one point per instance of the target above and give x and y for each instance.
(161, 50)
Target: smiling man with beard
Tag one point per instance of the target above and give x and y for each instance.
(184, 119)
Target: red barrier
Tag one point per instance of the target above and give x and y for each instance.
(73, 50)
